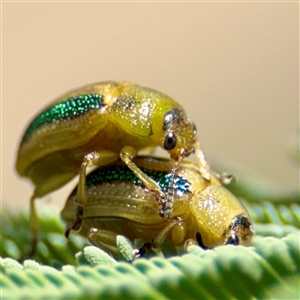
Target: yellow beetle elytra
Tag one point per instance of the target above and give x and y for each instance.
(96, 125)
(119, 204)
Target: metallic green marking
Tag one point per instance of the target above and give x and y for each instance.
(67, 110)
(123, 173)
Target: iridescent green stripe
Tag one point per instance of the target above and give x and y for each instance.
(123, 174)
(67, 110)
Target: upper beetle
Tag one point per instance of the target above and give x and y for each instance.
(95, 125)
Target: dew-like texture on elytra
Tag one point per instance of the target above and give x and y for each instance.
(66, 110)
(123, 174)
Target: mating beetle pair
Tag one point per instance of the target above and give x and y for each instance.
(96, 125)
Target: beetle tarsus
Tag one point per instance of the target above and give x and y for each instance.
(142, 251)
(227, 179)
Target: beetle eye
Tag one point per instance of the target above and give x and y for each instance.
(233, 240)
(170, 141)
(199, 241)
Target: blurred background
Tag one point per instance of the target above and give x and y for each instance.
(233, 66)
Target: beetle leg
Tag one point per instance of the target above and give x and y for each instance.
(127, 154)
(142, 250)
(149, 151)
(96, 158)
(34, 228)
(202, 162)
(104, 239)
(205, 171)
(176, 225)
(34, 225)
(40, 191)
(77, 222)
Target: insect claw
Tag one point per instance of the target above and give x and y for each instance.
(136, 253)
(162, 213)
(227, 179)
(67, 232)
(168, 213)
(142, 251)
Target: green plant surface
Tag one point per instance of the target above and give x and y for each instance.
(70, 269)
(228, 272)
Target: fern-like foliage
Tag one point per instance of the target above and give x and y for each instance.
(269, 269)
(69, 269)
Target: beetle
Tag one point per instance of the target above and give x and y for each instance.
(118, 203)
(97, 124)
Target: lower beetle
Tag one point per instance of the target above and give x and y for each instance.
(118, 203)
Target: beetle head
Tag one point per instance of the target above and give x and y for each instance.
(220, 217)
(178, 134)
(239, 231)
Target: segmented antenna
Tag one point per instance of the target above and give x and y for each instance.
(167, 203)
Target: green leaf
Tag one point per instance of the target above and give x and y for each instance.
(94, 256)
(226, 272)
